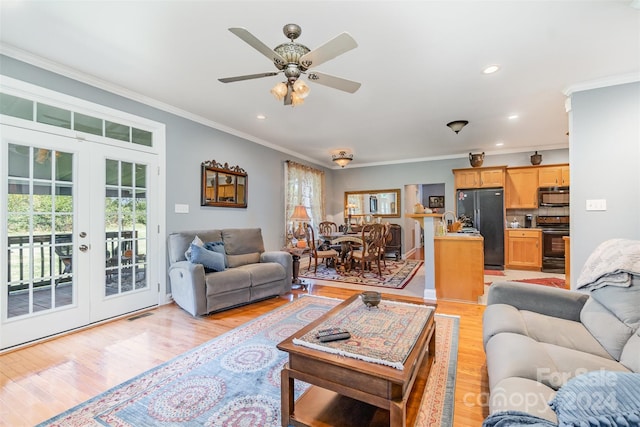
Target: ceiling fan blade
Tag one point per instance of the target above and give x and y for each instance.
(336, 46)
(247, 77)
(252, 41)
(334, 82)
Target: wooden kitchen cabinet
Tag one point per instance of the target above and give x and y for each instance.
(521, 188)
(490, 177)
(551, 176)
(524, 249)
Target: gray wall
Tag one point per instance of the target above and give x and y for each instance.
(605, 164)
(427, 172)
(188, 145)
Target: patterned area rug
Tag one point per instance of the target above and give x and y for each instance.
(385, 334)
(546, 281)
(234, 379)
(396, 275)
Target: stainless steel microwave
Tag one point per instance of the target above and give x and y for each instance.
(553, 196)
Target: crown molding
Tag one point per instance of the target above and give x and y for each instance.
(54, 67)
(600, 83)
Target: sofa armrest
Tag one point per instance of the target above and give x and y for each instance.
(281, 257)
(554, 302)
(188, 288)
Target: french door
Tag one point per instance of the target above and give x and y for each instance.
(80, 233)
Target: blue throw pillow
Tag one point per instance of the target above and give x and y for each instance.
(217, 247)
(599, 398)
(209, 259)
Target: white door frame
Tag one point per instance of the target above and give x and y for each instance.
(37, 94)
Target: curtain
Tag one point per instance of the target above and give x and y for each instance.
(304, 186)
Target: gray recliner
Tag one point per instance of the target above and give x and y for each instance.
(251, 273)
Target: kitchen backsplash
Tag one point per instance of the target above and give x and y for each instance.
(519, 214)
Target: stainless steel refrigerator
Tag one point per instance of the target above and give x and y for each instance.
(485, 207)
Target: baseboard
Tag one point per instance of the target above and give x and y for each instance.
(430, 294)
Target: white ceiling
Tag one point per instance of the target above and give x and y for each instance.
(420, 64)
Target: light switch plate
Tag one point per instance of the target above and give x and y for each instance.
(179, 208)
(597, 205)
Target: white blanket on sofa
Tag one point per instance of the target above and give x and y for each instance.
(611, 264)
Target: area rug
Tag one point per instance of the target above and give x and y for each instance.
(545, 281)
(396, 275)
(493, 273)
(234, 379)
(370, 339)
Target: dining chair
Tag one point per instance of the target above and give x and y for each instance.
(372, 248)
(387, 237)
(316, 252)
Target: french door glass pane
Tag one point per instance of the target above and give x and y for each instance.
(125, 227)
(40, 230)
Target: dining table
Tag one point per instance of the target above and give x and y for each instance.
(345, 240)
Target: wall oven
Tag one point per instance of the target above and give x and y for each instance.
(553, 196)
(554, 228)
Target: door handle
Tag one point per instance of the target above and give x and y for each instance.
(83, 248)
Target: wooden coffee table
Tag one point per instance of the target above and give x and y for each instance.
(350, 392)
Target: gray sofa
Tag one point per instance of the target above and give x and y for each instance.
(250, 273)
(537, 339)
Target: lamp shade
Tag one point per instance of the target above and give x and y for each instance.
(457, 125)
(300, 214)
(342, 158)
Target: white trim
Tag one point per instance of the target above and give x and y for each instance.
(430, 294)
(600, 83)
(158, 149)
(57, 68)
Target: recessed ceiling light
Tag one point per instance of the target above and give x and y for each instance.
(261, 117)
(491, 69)
(499, 144)
(513, 117)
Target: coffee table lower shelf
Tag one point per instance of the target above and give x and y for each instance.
(319, 407)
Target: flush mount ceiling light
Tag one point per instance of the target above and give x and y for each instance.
(342, 158)
(457, 125)
(491, 69)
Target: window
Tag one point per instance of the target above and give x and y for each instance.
(304, 186)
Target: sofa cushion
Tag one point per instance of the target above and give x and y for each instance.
(522, 395)
(562, 332)
(499, 318)
(264, 272)
(605, 327)
(239, 241)
(553, 330)
(209, 259)
(599, 398)
(227, 281)
(514, 355)
(235, 261)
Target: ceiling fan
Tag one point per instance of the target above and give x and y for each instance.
(294, 59)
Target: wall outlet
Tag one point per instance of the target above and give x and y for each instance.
(597, 205)
(178, 208)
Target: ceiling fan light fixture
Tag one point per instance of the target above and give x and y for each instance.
(457, 125)
(301, 88)
(342, 158)
(296, 99)
(279, 91)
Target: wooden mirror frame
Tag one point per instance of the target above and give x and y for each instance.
(374, 199)
(222, 185)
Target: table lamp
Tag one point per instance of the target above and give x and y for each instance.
(300, 215)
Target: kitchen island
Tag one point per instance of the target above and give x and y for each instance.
(459, 266)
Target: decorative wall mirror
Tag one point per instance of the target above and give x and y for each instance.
(222, 185)
(379, 203)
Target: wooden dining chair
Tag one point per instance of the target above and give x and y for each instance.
(316, 252)
(372, 248)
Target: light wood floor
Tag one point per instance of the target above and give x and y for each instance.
(42, 380)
